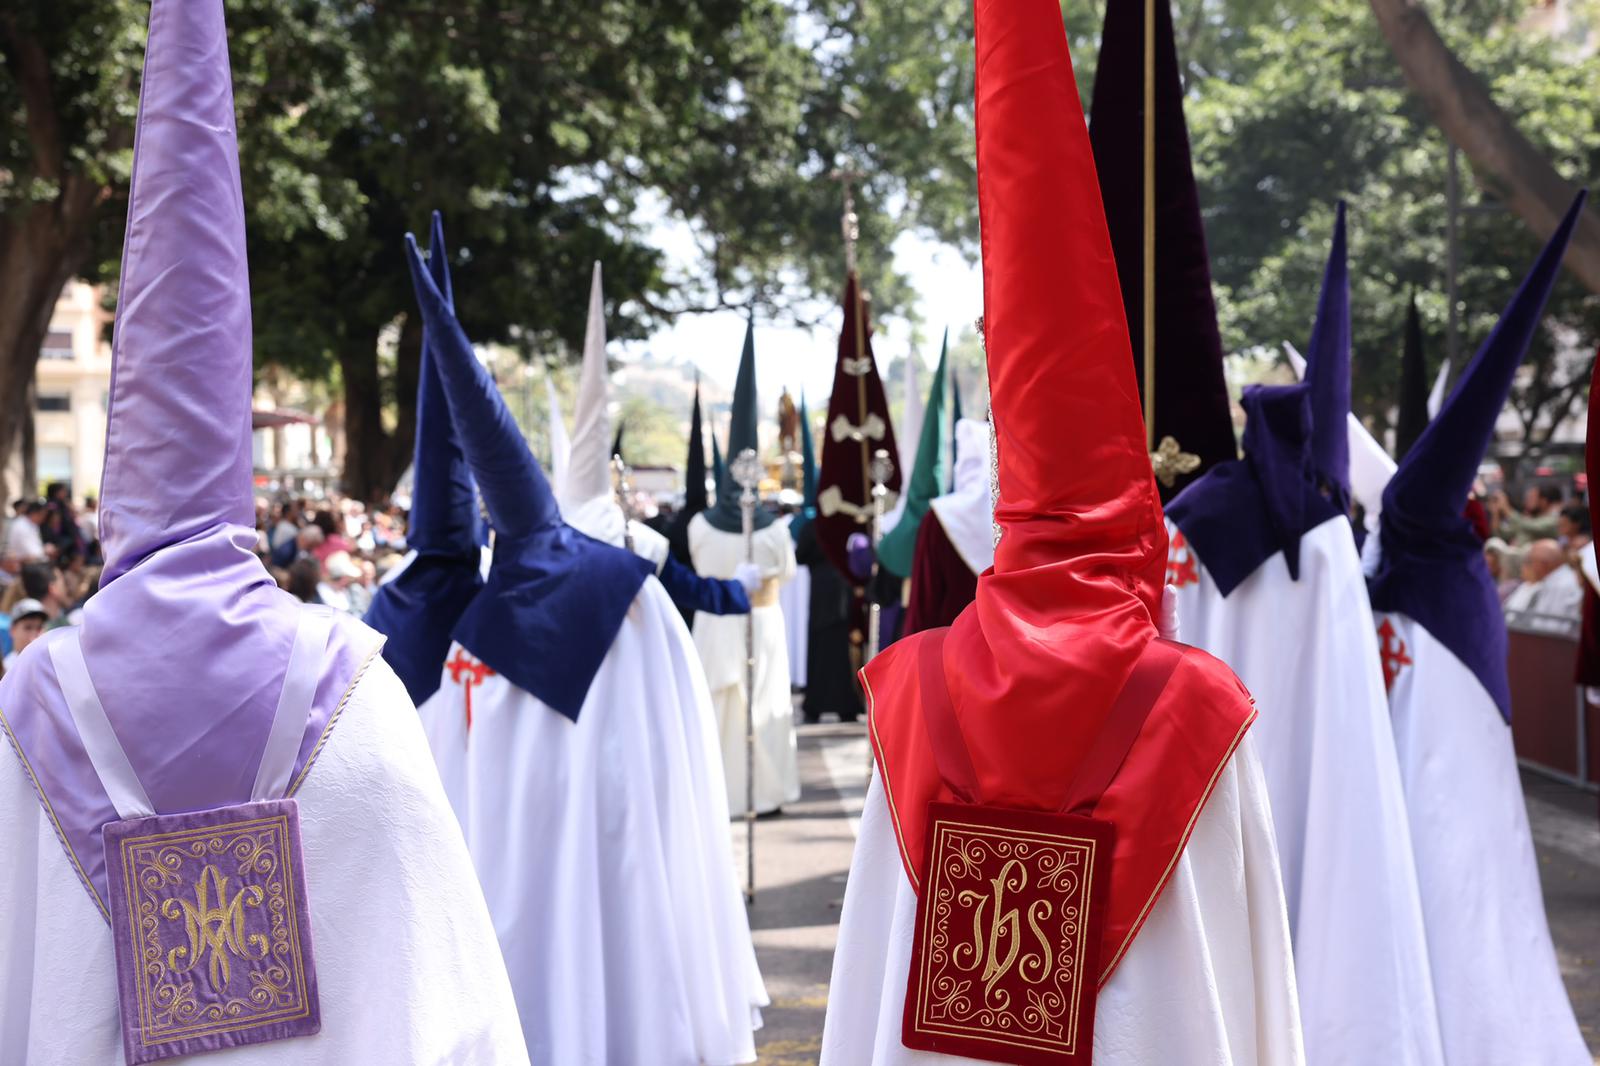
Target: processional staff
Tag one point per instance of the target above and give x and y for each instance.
(746, 471)
(622, 489)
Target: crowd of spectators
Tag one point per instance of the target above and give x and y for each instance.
(1541, 556)
(330, 550)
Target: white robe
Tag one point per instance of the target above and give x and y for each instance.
(720, 640)
(604, 851)
(1307, 651)
(408, 971)
(1501, 998)
(1209, 980)
(795, 599)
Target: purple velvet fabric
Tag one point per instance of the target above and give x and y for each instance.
(212, 930)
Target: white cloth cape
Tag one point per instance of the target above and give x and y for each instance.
(1209, 980)
(1499, 988)
(407, 966)
(604, 851)
(1308, 652)
(795, 600)
(601, 517)
(720, 641)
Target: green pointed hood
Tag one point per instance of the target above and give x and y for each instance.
(742, 434)
(927, 475)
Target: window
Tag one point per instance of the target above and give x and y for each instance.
(57, 345)
(53, 401)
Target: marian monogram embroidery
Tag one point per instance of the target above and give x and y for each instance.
(212, 938)
(1393, 651)
(1182, 568)
(1008, 930)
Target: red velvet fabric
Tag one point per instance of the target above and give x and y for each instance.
(1035, 663)
(941, 582)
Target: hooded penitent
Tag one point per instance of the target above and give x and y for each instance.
(858, 427)
(1250, 509)
(1442, 638)
(1413, 385)
(188, 639)
(418, 610)
(560, 442)
(1191, 393)
(1432, 568)
(1035, 664)
(808, 474)
(927, 476)
(724, 514)
(549, 586)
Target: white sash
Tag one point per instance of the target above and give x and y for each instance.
(110, 761)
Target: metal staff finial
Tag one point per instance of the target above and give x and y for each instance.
(881, 470)
(746, 471)
(849, 221)
(622, 489)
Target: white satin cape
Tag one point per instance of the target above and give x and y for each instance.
(1209, 980)
(1308, 652)
(408, 971)
(1501, 998)
(720, 641)
(604, 851)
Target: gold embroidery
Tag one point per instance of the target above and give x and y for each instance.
(154, 870)
(215, 932)
(1047, 957)
(1170, 462)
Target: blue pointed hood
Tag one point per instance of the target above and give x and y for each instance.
(418, 609)
(1432, 566)
(1242, 512)
(1328, 371)
(555, 598)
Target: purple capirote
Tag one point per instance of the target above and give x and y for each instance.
(212, 930)
(188, 638)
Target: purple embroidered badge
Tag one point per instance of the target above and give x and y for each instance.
(212, 932)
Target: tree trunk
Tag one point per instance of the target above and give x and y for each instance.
(40, 251)
(374, 458)
(1460, 103)
(30, 442)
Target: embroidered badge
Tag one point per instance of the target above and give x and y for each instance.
(468, 673)
(1005, 960)
(1393, 651)
(213, 938)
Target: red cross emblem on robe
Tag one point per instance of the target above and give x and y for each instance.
(1392, 650)
(467, 672)
(1182, 569)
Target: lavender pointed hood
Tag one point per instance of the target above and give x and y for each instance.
(419, 608)
(1432, 567)
(188, 639)
(555, 598)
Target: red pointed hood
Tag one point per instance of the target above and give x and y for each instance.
(1035, 664)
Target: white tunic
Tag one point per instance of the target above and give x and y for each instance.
(1209, 980)
(603, 849)
(795, 600)
(1501, 998)
(408, 971)
(720, 640)
(1307, 651)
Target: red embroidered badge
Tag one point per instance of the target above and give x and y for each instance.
(1182, 568)
(467, 672)
(1393, 651)
(1005, 960)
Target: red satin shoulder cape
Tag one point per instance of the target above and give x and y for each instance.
(1155, 799)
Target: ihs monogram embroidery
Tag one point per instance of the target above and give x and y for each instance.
(468, 672)
(1393, 651)
(1182, 568)
(1003, 967)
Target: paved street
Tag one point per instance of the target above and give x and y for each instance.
(803, 856)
